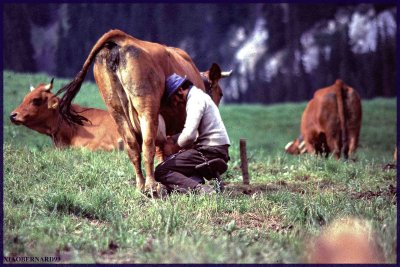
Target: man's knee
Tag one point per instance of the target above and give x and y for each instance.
(158, 173)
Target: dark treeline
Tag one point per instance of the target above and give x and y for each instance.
(279, 52)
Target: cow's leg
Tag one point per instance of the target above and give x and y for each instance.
(334, 144)
(318, 148)
(160, 153)
(310, 139)
(354, 134)
(133, 148)
(161, 139)
(148, 120)
(324, 148)
(143, 85)
(346, 149)
(352, 146)
(149, 124)
(108, 84)
(310, 146)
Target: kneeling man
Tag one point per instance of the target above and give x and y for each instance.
(203, 138)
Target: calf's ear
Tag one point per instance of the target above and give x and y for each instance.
(53, 103)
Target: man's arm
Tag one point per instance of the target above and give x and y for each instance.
(170, 146)
(194, 112)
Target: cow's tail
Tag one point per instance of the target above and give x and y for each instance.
(340, 96)
(74, 86)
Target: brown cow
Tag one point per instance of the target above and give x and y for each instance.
(131, 74)
(39, 111)
(331, 122)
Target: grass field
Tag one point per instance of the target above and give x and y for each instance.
(83, 206)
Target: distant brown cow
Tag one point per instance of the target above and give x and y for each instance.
(39, 111)
(331, 122)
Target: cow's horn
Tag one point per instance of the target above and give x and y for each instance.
(32, 88)
(50, 85)
(225, 74)
(302, 147)
(288, 145)
(302, 144)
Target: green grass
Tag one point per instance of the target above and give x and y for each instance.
(84, 206)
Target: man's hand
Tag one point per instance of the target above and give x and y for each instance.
(170, 147)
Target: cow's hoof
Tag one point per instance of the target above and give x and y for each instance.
(152, 190)
(140, 187)
(162, 191)
(149, 194)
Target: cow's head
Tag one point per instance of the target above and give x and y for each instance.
(36, 107)
(296, 147)
(211, 78)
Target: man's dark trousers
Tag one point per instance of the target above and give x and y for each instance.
(177, 172)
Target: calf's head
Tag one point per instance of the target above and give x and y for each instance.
(36, 107)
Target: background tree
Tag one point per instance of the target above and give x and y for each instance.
(284, 68)
(17, 48)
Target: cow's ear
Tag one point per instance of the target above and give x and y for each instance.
(53, 103)
(215, 72)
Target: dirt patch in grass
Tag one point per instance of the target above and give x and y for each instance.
(118, 258)
(253, 220)
(238, 189)
(273, 223)
(390, 191)
(302, 178)
(65, 254)
(112, 248)
(114, 255)
(389, 166)
(93, 222)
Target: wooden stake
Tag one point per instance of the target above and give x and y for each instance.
(243, 162)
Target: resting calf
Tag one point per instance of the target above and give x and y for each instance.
(39, 112)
